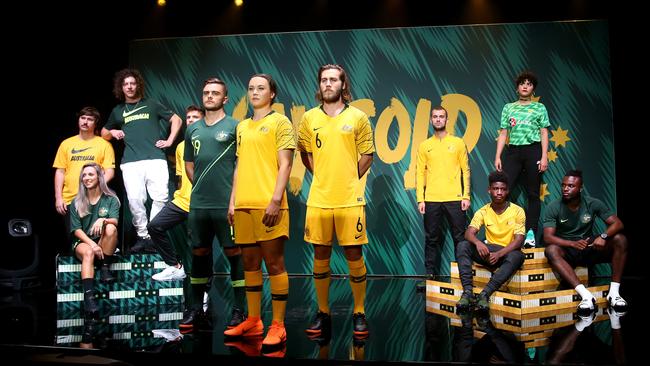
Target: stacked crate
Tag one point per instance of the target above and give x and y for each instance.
(529, 304)
(134, 309)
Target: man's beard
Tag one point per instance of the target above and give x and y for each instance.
(333, 97)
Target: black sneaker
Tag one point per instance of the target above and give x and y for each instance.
(236, 318)
(322, 322)
(483, 302)
(466, 318)
(139, 246)
(466, 301)
(322, 338)
(105, 274)
(360, 325)
(483, 320)
(192, 319)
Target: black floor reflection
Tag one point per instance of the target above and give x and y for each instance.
(489, 345)
(400, 329)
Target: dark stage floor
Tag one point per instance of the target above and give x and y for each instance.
(401, 330)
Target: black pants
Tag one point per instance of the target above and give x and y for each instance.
(170, 216)
(521, 161)
(466, 254)
(433, 240)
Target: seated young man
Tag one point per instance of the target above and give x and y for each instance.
(504, 231)
(570, 240)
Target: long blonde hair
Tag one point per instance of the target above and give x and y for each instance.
(81, 201)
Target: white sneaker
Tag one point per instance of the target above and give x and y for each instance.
(615, 317)
(584, 321)
(587, 304)
(170, 273)
(530, 239)
(617, 302)
(168, 334)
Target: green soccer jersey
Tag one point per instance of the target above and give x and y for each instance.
(212, 150)
(577, 225)
(107, 207)
(143, 123)
(523, 122)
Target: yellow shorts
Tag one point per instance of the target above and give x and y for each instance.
(249, 228)
(348, 222)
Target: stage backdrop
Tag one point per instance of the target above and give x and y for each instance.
(396, 76)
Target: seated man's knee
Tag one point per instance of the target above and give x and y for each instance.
(620, 241)
(553, 252)
(516, 257)
(464, 247)
(110, 230)
(87, 254)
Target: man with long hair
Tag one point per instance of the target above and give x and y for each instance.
(331, 138)
(144, 165)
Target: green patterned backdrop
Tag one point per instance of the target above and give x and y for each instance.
(397, 75)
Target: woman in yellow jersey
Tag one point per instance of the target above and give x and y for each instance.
(259, 209)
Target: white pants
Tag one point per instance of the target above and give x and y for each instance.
(139, 178)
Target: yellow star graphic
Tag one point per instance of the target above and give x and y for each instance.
(543, 192)
(560, 137)
(535, 98)
(552, 155)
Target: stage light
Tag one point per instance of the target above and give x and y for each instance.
(162, 2)
(239, 2)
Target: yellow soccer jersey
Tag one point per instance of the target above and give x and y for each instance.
(258, 143)
(442, 170)
(74, 153)
(500, 229)
(182, 195)
(336, 144)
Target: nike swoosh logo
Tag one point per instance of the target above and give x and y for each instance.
(126, 114)
(78, 151)
(269, 230)
(429, 150)
(357, 236)
(563, 221)
(316, 129)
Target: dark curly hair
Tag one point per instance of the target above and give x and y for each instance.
(526, 75)
(118, 80)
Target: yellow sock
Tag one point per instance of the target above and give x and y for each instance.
(254, 292)
(322, 279)
(358, 284)
(279, 295)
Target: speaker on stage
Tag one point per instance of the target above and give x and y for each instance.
(20, 256)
